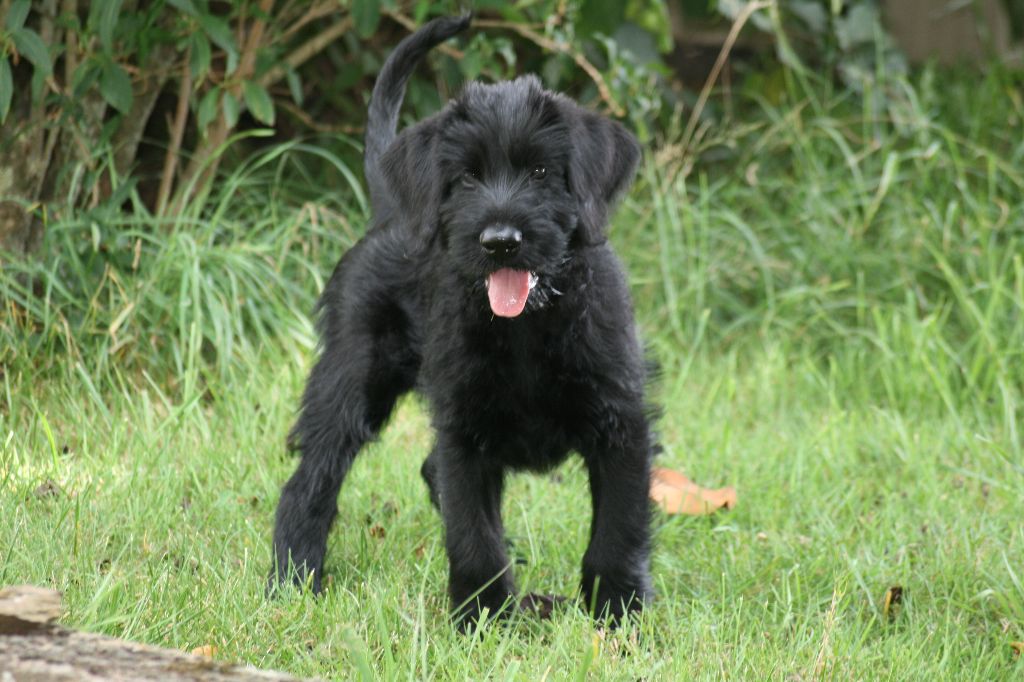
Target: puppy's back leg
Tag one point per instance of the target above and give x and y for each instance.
(364, 368)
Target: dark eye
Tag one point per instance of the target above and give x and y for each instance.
(470, 177)
(538, 173)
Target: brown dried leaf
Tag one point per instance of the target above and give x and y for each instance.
(893, 596)
(541, 605)
(206, 650)
(48, 489)
(676, 494)
(1018, 648)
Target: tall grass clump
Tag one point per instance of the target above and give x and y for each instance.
(883, 233)
(237, 270)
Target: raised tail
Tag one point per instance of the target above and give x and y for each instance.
(389, 90)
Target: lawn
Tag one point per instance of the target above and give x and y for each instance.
(832, 285)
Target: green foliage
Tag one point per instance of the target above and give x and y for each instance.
(26, 43)
(6, 89)
(366, 16)
(258, 102)
(235, 67)
(116, 87)
(29, 45)
(743, 271)
(914, 225)
(16, 15)
(126, 292)
(103, 20)
(843, 34)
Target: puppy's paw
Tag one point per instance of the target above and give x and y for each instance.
(613, 601)
(487, 607)
(292, 576)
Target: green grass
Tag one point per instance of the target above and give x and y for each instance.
(835, 293)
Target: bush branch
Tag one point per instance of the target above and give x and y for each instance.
(410, 24)
(177, 133)
(723, 55)
(307, 50)
(206, 158)
(564, 48)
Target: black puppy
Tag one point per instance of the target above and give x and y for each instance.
(486, 283)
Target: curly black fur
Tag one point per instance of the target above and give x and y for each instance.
(407, 307)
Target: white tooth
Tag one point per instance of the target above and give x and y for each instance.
(533, 280)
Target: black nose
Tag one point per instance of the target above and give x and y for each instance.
(501, 240)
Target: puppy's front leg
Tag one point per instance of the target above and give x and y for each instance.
(480, 573)
(615, 566)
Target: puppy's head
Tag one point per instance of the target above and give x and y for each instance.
(511, 178)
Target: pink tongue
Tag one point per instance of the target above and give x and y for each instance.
(507, 290)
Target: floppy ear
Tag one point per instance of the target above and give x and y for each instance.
(602, 164)
(411, 178)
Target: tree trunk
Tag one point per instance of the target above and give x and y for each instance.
(32, 649)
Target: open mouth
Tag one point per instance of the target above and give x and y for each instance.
(508, 289)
